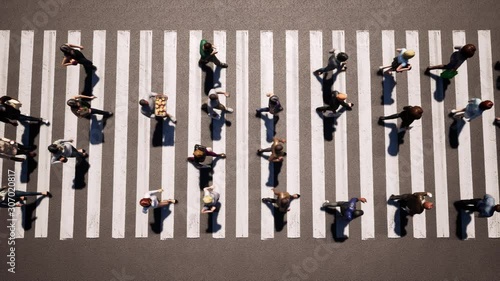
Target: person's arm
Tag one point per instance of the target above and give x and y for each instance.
(457, 47)
(399, 50)
(276, 140)
(269, 95)
(74, 46)
(277, 193)
(66, 61)
(222, 93)
(361, 199)
(401, 68)
(208, 211)
(84, 97)
(149, 193)
(208, 189)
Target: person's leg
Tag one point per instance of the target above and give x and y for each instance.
(263, 109)
(323, 108)
(269, 200)
(269, 149)
(357, 213)
(393, 116)
(19, 193)
(331, 205)
(167, 202)
(100, 112)
(30, 118)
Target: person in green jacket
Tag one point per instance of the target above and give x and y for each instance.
(207, 52)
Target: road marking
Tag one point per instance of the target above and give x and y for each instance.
(439, 140)
(464, 153)
(24, 96)
(317, 140)
(266, 167)
(70, 132)
(242, 133)
(365, 133)
(121, 133)
(416, 140)
(168, 150)
(293, 136)
(489, 131)
(143, 132)
(4, 72)
(96, 138)
(194, 135)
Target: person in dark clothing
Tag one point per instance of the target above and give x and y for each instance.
(81, 107)
(207, 52)
(408, 115)
(347, 208)
(10, 113)
(336, 99)
(274, 106)
(282, 201)
(200, 153)
(484, 206)
(9, 149)
(458, 57)
(413, 203)
(337, 60)
(19, 197)
(73, 56)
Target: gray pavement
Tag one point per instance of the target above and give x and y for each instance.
(231, 258)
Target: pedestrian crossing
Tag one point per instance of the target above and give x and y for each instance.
(329, 169)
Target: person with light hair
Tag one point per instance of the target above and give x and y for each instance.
(413, 203)
(400, 62)
(210, 200)
(336, 100)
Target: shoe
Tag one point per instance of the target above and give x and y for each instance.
(258, 113)
(94, 68)
(317, 73)
(265, 200)
(173, 120)
(176, 201)
(325, 203)
(45, 121)
(224, 65)
(110, 114)
(259, 151)
(222, 155)
(453, 111)
(497, 65)
(391, 197)
(49, 194)
(229, 110)
(298, 196)
(427, 71)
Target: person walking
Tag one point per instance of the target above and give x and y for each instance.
(485, 206)
(81, 107)
(337, 60)
(413, 203)
(10, 113)
(408, 115)
(336, 99)
(10, 149)
(457, 58)
(210, 200)
(150, 200)
(156, 100)
(200, 153)
(273, 106)
(73, 56)
(19, 197)
(62, 150)
(347, 208)
(474, 109)
(276, 149)
(215, 108)
(400, 62)
(208, 52)
(282, 200)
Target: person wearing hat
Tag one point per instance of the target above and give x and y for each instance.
(81, 107)
(207, 53)
(200, 153)
(273, 106)
(10, 112)
(150, 200)
(62, 150)
(413, 203)
(276, 149)
(73, 56)
(282, 201)
(347, 209)
(400, 62)
(485, 206)
(214, 107)
(210, 200)
(474, 109)
(10, 149)
(337, 60)
(19, 197)
(458, 57)
(336, 99)
(408, 115)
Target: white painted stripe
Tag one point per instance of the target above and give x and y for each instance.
(168, 151)
(4, 68)
(121, 133)
(391, 161)
(143, 131)
(70, 132)
(365, 133)
(341, 175)
(416, 142)
(45, 136)
(293, 136)
(439, 141)
(242, 133)
(219, 146)
(317, 140)
(194, 134)
(464, 148)
(24, 96)
(489, 131)
(96, 136)
(266, 86)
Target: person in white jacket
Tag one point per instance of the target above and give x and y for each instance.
(150, 200)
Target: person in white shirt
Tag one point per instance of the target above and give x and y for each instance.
(214, 107)
(150, 200)
(474, 109)
(210, 200)
(62, 150)
(400, 62)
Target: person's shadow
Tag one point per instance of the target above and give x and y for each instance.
(28, 211)
(206, 173)
(211, 77)
(213, 226)
(388, 85)
(81, 169)
(274, 171)
(96, 129)
(279, 217)
(330, 122)
(395, 138)
(338, 226)
(159, 215)
(91, 79)
(216, 126)
(455, 130)
(31, 131)
(464, 217)
(163, 134)
(441, 86)
(270, 124)
(400, 218)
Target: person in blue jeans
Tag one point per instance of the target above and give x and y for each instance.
(347, 209)
(485, 206)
